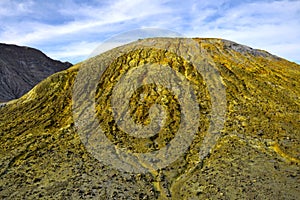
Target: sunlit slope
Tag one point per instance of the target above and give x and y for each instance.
(256, 156)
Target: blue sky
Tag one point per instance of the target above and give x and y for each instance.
(70, 30)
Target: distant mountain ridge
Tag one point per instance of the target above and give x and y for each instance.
(21, 68)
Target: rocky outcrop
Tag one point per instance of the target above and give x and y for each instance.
(21, 68)
(44, 154)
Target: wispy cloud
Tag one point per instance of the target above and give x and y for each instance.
(69, 29)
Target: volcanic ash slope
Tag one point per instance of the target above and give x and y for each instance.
(256, 156)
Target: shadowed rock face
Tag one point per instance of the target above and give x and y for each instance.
(21, 68)
(257, 155)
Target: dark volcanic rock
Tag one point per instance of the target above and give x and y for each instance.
(21, 68)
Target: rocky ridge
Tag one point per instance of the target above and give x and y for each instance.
(21, 68)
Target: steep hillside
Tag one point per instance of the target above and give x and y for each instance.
(45, 152)
(21, 68)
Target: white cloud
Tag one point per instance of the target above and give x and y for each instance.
(12, 8)
(273, 26)
(93, 21)
(77, 26)
(74, 52)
